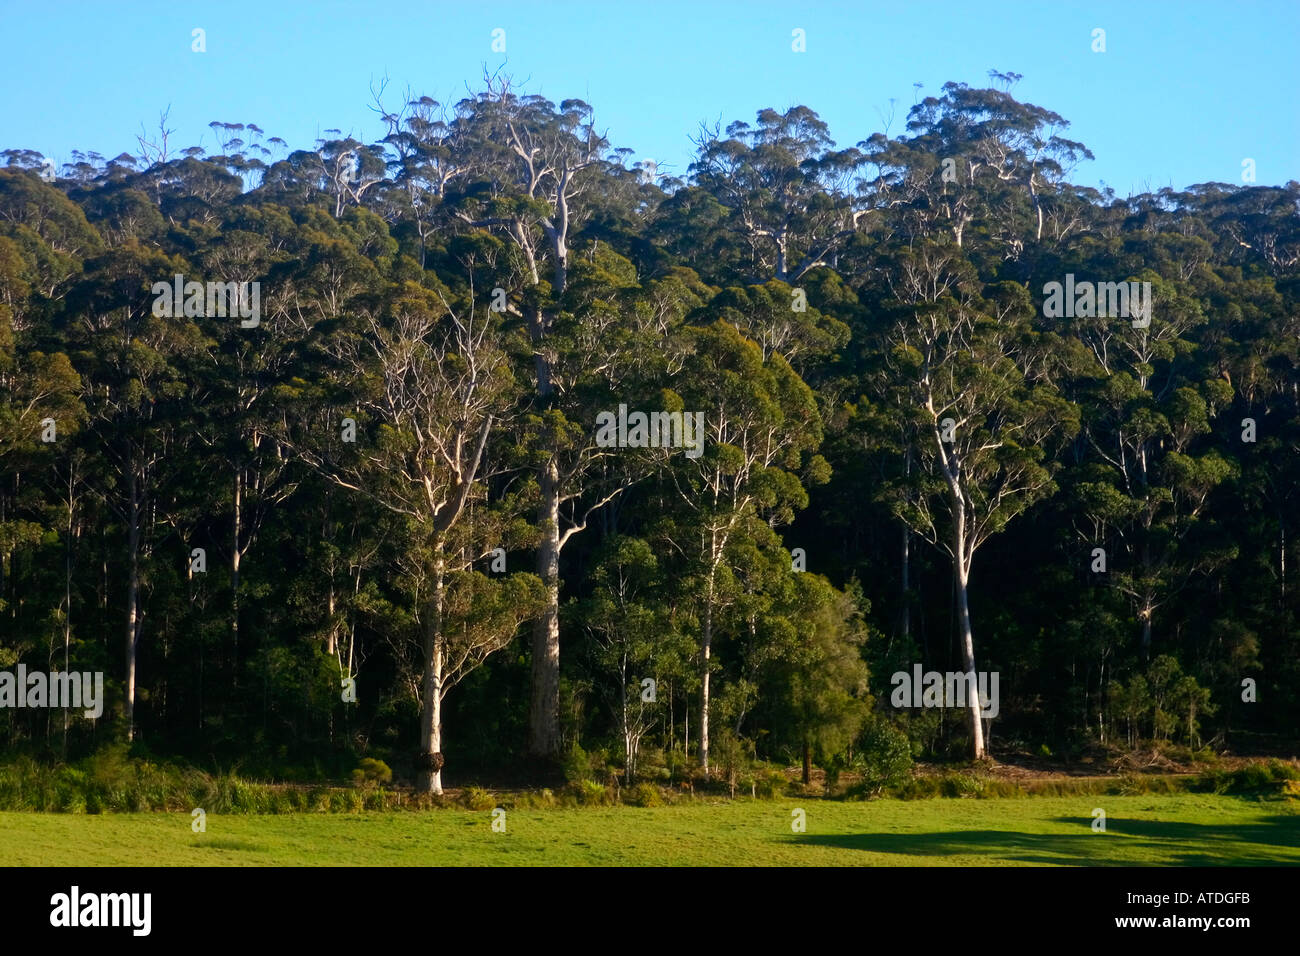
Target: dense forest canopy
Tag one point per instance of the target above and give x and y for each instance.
(370, 480)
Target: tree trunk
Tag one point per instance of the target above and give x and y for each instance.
(544, 713)
(67, 590)
(962, 555)
(544, 718)
(431, 761)
(807, 762)
(706, 649)
(907, 584)
(134, 517)
(234, 576)
(968, 662)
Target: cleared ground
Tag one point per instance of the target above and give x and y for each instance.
(1140, 830)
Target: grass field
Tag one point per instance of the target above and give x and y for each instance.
(1184, 829)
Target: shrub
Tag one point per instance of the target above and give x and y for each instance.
(962, 785)
(679, 766)
(643, 795)
(732, 758)
(769, 784)
(589, 793)
(886, 755)
(1270, 777)
(371, 773)
(540, 800)
(576, 765)
(476, 798)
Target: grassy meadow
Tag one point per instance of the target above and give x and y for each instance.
(1144, 830)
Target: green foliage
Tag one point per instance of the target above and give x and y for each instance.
(885, 756)
(643, 795)
(576, 765)
(1272, 777)
(476, 798)
(589, 793)
(824, 310)
(371, 773)
(1163, 703)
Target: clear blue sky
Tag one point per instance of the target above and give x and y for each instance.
(1184, 91)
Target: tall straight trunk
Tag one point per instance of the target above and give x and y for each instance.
(1101, 702)
(234, 574)
(807, 762)
(968, 663)
(1038, 208)
(907, 565)
(907, 583)
(331, 635)
(672, 718)
(706, 649)
(627, 732)
(134, 518)
(544, 715)
(544, 708)
(67, 594)
(962, 560)
(431, 760)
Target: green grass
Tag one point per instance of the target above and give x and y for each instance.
(1174, 830)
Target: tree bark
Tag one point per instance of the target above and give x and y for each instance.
(968, 662)
(963, 553)
(134, 518)
(430, 775)
(234, 575)
(907, 583)
(544, 717)
(706, 649)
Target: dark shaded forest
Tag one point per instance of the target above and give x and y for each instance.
(359, 502)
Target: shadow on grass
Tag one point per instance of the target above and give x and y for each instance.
(226, 843)
(1144, 842)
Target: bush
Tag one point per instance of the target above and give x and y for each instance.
(678, 765)
(541, 800)
(643, 795)
(1271, 777)
(652, 765)
(962, 785)
(576, 765)
(589, 793)
(886, 756)
(769, 784)
(476, 798)
(371, 773)
(732, 758)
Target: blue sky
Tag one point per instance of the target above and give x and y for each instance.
(1184, 92)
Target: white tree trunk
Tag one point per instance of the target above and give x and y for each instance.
(706, 647)
(134, 519)
(431, 760)
(968, 663)
(544, 725)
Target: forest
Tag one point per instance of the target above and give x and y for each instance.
(332, 452)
